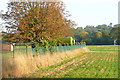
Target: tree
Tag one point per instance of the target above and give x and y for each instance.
(90, 29)
(103, 27)
(36, 21)
(77, 33)
(96, 37)
(97, 34)
(114, 33)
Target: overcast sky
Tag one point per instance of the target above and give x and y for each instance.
(87, 12)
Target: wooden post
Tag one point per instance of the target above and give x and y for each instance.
(11, 45)
(26, 49)
(12, 49)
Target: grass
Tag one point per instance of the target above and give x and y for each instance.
(21, 64)
(100, 62)
(52, 67)
(98, 69)
(104, 48)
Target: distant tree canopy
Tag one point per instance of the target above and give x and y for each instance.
(36, 21)
(99, 35)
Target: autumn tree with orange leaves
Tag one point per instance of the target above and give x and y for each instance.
(36, 21)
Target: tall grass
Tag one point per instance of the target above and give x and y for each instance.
(23, 64)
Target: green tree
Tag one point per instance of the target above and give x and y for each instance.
(90, 29)
(77, 33)
(103, 27)
(96, 37)
(114, 33)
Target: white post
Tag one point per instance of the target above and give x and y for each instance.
(74, 42)
(11, 47)
(115, 42)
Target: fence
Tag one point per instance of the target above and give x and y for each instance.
(28, 49)
(5, 47)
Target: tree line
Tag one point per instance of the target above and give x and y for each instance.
(99, 35)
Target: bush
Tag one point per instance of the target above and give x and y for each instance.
(66, 41)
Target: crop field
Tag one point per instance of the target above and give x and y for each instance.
(100, 62)
(113, 48)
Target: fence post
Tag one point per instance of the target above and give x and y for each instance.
(26, 45)
(12, 49)
(26, 49)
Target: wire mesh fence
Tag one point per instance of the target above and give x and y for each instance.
(42, 50)
(24, 49)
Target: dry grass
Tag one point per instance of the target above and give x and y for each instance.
(23, 64)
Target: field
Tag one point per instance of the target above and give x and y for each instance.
(100, 62)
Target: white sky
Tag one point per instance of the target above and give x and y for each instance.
(87, 12)
(93, 12)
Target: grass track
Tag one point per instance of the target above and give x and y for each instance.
(100, 62)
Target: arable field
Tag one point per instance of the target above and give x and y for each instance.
(100, 62)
